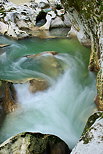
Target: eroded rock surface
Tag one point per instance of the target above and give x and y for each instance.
(92, 138)
(20, 21)
(86, 19)
(38, 84)
(7, 97)
(34, 143)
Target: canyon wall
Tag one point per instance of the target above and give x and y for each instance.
(86, 19)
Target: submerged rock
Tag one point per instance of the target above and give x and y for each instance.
(92, 138)
(34, 143)
(47, 63)
(38, 84)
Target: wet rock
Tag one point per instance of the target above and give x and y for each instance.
(38, 84)
(34, 143)
(3, 45)
(7, 97)
(91, 140)
(48, 64)
(99, 85)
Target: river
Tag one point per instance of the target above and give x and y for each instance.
(64, 108)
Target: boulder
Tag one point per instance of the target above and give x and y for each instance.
(57, 22)
(15, 32)
(7, 97)
(20, 21)
(3, 27)
(47, 63)
(34, 143)
(38, 84)
(91, 141)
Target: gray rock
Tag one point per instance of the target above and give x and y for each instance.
(92, 138)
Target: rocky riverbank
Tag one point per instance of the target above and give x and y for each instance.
(86, 20)
(21, 21)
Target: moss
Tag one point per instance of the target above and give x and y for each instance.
(87, 136)
(34, 143)
(91, 121)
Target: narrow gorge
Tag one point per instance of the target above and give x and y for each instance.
(51, 77)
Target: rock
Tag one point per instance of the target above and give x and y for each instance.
(44, 5)
(34, 143)
(80, 35)
(15, 32)
(99, 85)
(92, 138)
(20, 21)
(85, 18)
(41, 54)
(3, 28)
(57, 22)
(49, 18)
(72, 33)
(3, 45)
(47, 63)
(7, 97)
(38, 84)
(66, 20)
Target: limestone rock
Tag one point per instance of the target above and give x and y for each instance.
(34, 143)
(86, 18)
(57, 22)
(92, 138)
(20, 21)
(49, 18)
(38, 84)
(3, 28)
(15, 32)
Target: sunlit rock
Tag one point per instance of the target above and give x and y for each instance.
(15, 32)
(99, 98)
(34, 143)
(3, 28)
(38, 84)
(49, 18)
(92, 137)
(7, 97)
(3, 45)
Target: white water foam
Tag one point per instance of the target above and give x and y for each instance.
(61, 110)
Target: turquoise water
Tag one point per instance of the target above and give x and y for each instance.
(18, 49)
(64, 108)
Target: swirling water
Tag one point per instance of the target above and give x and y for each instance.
(64, 108)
